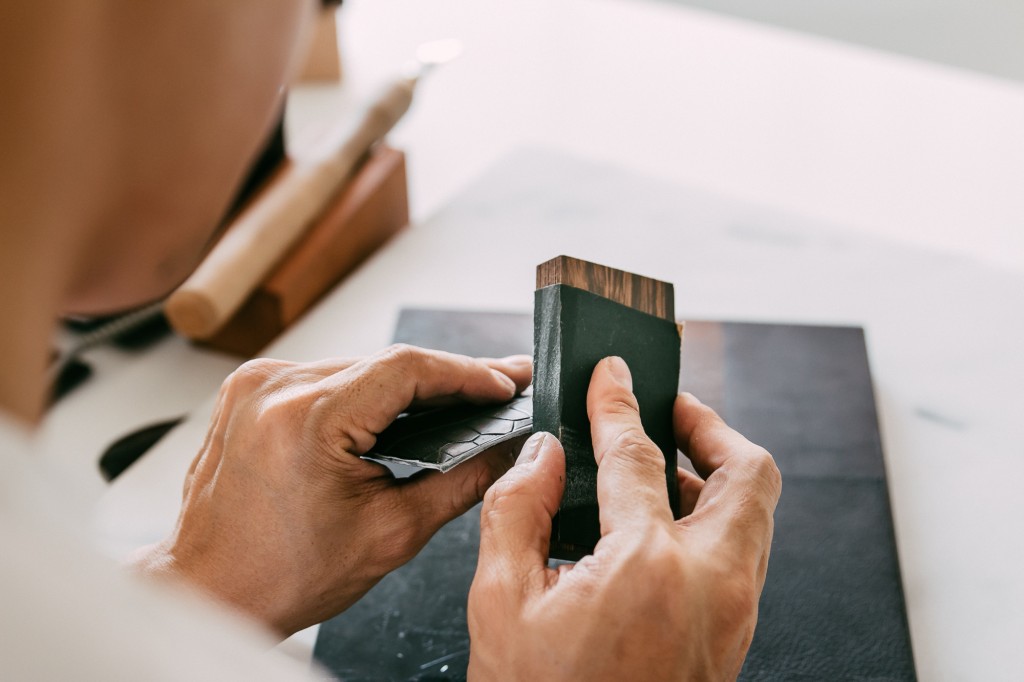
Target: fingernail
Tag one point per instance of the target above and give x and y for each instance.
(531, 448)
(620, 371)
(510, 385)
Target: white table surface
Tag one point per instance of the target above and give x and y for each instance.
(891, 165)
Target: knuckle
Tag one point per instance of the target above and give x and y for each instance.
(260, 368)
(500, 496)
(634, 442)
(765, 472)
(501, 499)
(331, 429)
(666, 567)
(621, 402)
(400, 362)
(251, 376)
(403, 354)
(633, 448)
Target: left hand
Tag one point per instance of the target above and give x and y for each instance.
(281, 517)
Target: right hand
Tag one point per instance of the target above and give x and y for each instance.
(282, 519)
(659, 599)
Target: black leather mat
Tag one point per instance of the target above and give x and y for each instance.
(832, 607)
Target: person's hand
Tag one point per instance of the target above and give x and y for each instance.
(283, 520)
(659, 599)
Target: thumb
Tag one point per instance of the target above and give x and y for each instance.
(515, 523)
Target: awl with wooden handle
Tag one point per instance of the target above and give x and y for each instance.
(264, 232)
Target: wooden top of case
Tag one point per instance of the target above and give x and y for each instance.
(651, 296)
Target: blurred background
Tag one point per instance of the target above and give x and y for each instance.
(983, 35)
(898, 118)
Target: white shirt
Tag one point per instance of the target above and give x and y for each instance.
(68, 613)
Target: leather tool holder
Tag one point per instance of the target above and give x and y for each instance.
(364, 215)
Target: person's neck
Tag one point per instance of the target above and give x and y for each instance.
(30, 295)
(57, 186)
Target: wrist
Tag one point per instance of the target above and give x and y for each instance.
(154, 562)
(165, 561)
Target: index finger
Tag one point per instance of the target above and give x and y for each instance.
(631, 486)
(742, 483)
(518, 368)
(708, 441)
(373, 392)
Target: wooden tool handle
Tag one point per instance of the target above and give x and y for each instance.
(274, 222)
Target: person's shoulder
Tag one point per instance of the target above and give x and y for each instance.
(14, 436)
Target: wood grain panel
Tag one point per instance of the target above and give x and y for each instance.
(651, 296)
